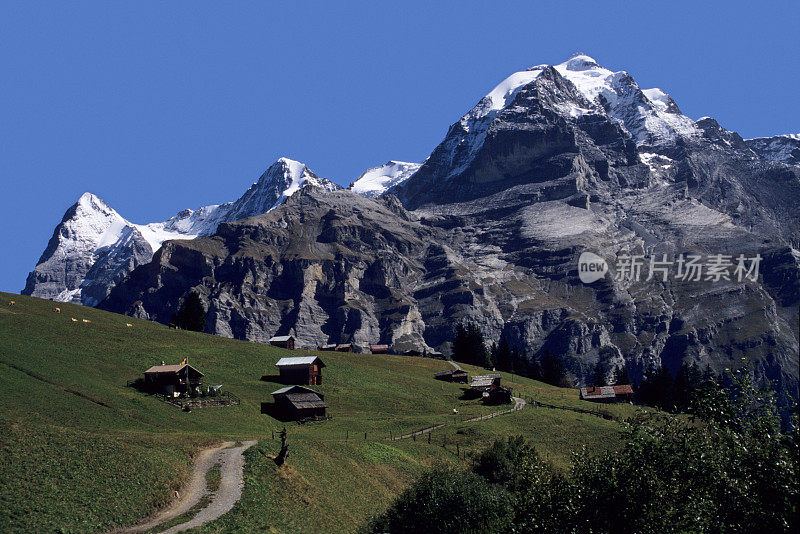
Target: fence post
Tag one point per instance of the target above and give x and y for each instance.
(414, 437)
(365, 436)
(429, 437)
(458, 450)
(273, 434)
(346, 435)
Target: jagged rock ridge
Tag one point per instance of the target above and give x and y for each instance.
(94, 247)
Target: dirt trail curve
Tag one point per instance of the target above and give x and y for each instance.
(231, 462)
(518, 405)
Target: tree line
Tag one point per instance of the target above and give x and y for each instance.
(658, 387)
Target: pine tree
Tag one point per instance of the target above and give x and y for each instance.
(459, 349)
(658, 389)
(553, 371)
(621, 376)
(686, 383)
(192, 315)
(599, 375)
(503, 356)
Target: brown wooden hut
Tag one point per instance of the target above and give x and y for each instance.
(379, 349)
(173, 380)
(301, 370)
(484, 382)
(452, 375)
(299, 403)
(284, 342)
(327, 347)
(344, 347)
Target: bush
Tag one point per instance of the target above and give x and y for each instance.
(448, 500)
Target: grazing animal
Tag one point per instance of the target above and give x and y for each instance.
(57, 310)
(86, 321)
(128, 325)
(11, 302)
(173, 325)
(74, 320)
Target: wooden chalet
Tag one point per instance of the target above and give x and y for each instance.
(298, 403)
(452, 375)
(173, 380)
(327, 347)
(621, 393)
(284, 342)
(344, 347)
(379, 349)
(484, 382)
(301, 370)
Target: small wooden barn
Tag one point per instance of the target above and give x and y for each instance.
(301, 370)
(452, 375)
(327, 346)
(379, 349)
(298, 403)
(484, 382)
(284, 342)
(173, 380)
(621, 393)
(344, 347)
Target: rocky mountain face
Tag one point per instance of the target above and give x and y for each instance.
(554, 162)
(94, 247)
(780, 148)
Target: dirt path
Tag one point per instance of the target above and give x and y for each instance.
(231, 461)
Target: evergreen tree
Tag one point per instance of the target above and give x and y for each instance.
(459, 349)
(553, 371)
(686, 383)
(658, 389)
(599, 375)
(621, 376)
(503, 356)
(192, 315)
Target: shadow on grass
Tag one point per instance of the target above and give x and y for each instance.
(271, 409)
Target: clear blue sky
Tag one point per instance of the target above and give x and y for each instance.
(160, 106)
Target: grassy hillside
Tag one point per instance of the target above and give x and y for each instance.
(82, 452)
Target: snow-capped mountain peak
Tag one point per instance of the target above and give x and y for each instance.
(651, 116)
(375, 181)
(280, 181)
(94, 247)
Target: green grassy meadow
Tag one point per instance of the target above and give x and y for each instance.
(81, 452)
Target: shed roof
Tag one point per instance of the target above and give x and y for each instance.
(444, 373)
(483, 380)
(306, 400)
(594, 392)
(280, 338)
(379, 347)
(624, 389)
(299, 360)
(157, 369)
(296, 389)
